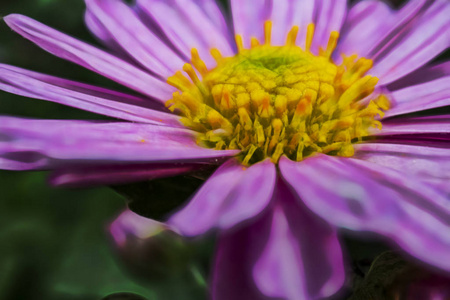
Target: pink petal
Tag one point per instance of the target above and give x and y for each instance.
(100, 32)
(363, 196)
(249, 18)
(302, 258)
(425, 74)
(30, 144)
(90, 98)
(330, 15)
(232, 195)
(85, 176)
(364, 23)
(236, 254)
(421, 161)
(418, 125)
(94, 59)
(188, 26)
(431, 94)
(134, 37)
(419, 43)
(288, 252)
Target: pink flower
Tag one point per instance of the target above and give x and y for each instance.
(294, 125)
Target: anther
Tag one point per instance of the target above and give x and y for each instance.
(277, 126)
(191, 72)
(198, 63)
(267, 32)
(249, 155)
(254, 42)
(309, 36)
(332, 42)
(179, 81)
(292, 36)
(215, 53)
(239, 42)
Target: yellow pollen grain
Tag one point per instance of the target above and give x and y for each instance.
(269, 101)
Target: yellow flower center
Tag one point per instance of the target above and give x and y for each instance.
(269, 101)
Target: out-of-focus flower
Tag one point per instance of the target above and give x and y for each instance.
(149, 247)
(301, 123)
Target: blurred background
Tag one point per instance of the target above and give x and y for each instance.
(54, 243)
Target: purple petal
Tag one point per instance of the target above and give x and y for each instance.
(100, 32)
(431, 94)
(419, 43)
(425, 74)
(290, 254)
(281, 16)
(236, 255)
(330, 15)
(364, 23)
(188, 26)
(86, 176)
(215, 15)
(89, 57)
(421, 161)
(232, 195)
(363, 196)
(327, 15)
(285, 14)
(30, 144)
(418, 125)
(134, 37)
(302, 258)
(248, 19)
(91, 98)
(303, 13)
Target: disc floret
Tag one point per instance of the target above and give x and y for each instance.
(269, 101)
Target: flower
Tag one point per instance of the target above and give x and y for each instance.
(301, 125)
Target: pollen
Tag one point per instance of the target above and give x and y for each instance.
(270, 101)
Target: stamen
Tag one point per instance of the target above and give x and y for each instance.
(292, 36)
(279, 100)
(198, 63)
(179, 81)
(215, 53)
(332, 42)
(193, 75)
(239, 42)
(254, 42)
(267, 31)
(309, 36)
(249, 154)
(191, 72)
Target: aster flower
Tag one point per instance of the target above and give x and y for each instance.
(311, 103)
